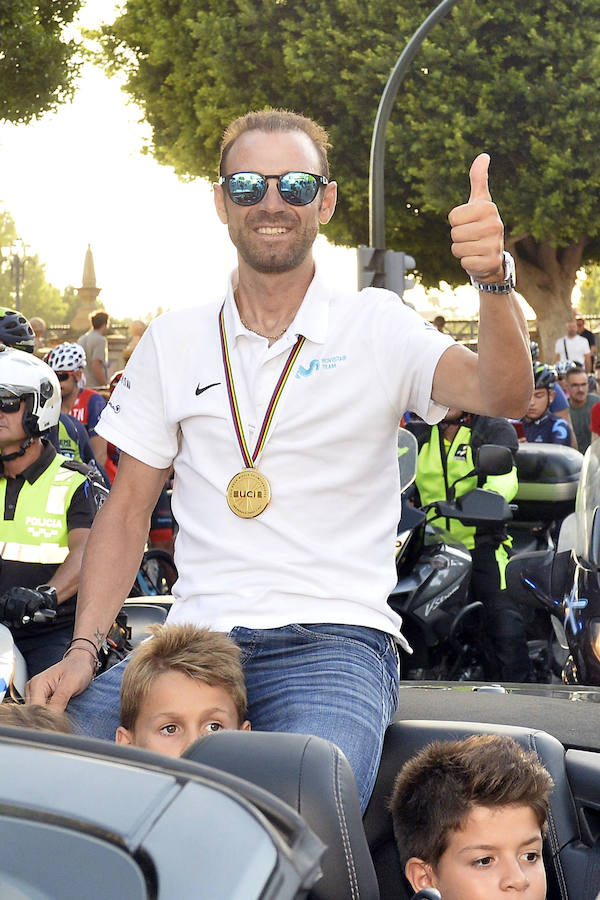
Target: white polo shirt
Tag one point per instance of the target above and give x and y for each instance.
(323, 550)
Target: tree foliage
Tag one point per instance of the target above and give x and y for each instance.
(589, 302)
(516, 80)
(38, 63)
(37, 296)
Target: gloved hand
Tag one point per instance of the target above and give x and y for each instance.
(19, 604)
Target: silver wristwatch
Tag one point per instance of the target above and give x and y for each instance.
(499, 287)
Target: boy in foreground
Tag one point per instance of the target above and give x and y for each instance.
(469, 818)
(184, 683)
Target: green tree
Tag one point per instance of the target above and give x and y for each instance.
(517, 80)
(37, 296)
(38, 63)
(589, 302)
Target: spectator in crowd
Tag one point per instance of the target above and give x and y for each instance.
(137, 328)
(48, 505)
(539, 423)
(581, 402)
(440, 324)
(595, 422)
(95, 345)
(573, 347)
(584, 332)
(184, 683)
(82, 403)
(39, 329)
(319, 640)
(469, 819)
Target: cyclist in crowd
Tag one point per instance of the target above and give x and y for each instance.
(69, 436)
(539, 423)
(83, 404)
(581, 401)
(559, 405)
(48, 505)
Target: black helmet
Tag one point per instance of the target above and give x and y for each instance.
(568, 365)
(535, 350)
(15, 330)
(544, 376)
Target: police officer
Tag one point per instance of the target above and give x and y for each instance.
(48, 504)
(447, 453)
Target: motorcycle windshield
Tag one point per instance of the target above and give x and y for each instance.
(587, 508)
(407, 457)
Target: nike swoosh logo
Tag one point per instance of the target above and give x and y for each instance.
(200, 390)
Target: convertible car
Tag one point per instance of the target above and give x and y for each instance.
(253, 815)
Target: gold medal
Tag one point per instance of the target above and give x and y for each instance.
(248, 493)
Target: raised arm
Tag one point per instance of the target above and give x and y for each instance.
(110, 563)
(496, 381)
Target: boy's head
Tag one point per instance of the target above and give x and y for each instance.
(469, 817)
(184, 683)
(34, 715)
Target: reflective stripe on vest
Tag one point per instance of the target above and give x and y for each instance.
(67, 445)
(39, 533)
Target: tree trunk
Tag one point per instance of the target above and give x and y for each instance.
(546, 278)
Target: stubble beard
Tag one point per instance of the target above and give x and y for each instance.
(274, 260)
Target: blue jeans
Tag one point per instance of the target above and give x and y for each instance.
(338, 682)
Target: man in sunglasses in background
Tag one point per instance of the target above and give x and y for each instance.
(278, 405)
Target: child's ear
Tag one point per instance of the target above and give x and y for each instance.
(246, 726)
(123, 736)
(419, 873)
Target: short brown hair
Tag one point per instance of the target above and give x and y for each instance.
(34, 715)
(98, 318)
(272, 120)
(438, 788)
(202, 654)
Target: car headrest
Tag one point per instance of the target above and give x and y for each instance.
(313, 777)
(405, 738)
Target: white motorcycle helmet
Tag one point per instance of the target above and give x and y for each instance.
(24, 375)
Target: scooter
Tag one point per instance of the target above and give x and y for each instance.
(444, 628)
(564, 585)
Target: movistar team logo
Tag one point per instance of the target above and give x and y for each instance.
(316, 365)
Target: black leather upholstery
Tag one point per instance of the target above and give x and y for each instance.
(315, 779)
(565, 855)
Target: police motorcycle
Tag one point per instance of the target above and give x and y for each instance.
(563, 584)
(444, 628)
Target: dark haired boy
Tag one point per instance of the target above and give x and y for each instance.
(469, 818)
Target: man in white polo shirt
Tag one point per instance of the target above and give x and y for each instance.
(278, 405)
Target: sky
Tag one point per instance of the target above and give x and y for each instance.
(78, 176)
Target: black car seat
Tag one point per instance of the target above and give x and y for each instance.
(566, 857)
(313, 777)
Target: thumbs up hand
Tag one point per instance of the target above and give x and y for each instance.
(477, 229)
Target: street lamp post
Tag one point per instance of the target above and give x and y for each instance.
(376, 265)
(16, 256)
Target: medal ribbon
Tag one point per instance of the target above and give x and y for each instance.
(248, 458)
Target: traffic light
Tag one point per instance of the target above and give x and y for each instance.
(384, 268)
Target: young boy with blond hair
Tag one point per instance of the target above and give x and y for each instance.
(183, 683)
(469, 818)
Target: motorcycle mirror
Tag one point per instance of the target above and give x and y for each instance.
(480, 506)
(408, 451)
(492, 459)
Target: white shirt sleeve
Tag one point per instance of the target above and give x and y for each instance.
(135, 419)
(407, 350)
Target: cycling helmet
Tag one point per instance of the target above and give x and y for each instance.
(24, 375)
(535, 350)
(567, 365)
(544, 376)
(66, 357)
(15, 330)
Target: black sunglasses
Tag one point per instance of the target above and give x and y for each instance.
(63, 376)
(10, 404)
(296, 188)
